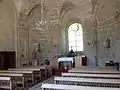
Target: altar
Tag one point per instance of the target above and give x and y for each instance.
(66, 62)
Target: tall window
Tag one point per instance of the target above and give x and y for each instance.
(75, 37)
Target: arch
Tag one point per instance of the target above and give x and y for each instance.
(33, 8)
(67, 6)
(64, 33)
(71, 21)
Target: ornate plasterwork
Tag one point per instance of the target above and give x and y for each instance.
(67, 6)
(107, 21)
(23, 33)
(28, 35)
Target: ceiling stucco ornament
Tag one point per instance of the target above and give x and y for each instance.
(42, 24)
(95, 9)
(67, 6)
(23, 27)
(108, 18)
(117, 15)
(94, 3)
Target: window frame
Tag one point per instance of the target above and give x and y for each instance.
(77, 51)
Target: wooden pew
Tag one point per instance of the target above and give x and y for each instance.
(43, 71)
(114, 83)
(94, 71)
(6, 83)
(17, 79)
(82, 75)
(48, 69)
(72, 87)
(40, 72)
(36, 73)
(28, 75)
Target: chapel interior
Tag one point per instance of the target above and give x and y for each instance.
(59, 44)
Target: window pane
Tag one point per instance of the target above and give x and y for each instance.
(71, 36)
(74, 27)
(78, 33)
(71, 44)
(79, 38)
(79, 44)
(79, 48)
(74, 48)
(72, 39)
(71, 32)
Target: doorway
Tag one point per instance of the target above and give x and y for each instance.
(7, 60)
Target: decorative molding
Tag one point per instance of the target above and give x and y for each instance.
(67, 6)
(114, 20)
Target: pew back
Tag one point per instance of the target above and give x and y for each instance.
(94, 72)
(87, 81)
(95, 68)
(24, 69)
(12, 71)
(109, 76)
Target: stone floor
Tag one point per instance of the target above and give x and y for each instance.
(38, 86)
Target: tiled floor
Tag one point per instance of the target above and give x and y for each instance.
(37, 87)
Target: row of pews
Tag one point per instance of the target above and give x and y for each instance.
(86, 78)
(23, 78)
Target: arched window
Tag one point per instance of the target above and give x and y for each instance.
(75, 37)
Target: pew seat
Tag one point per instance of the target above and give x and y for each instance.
(95, 68)
(72, 87)
(94, 71)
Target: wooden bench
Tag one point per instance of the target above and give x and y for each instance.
(36, 73)
(43, 71)
(94, 72)
(114, 83)
(95, 68)
(48, 69)
(6, 83)
(40, 72)
(107, 76)
(72, 87)
(18, 80)
(28, 75)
